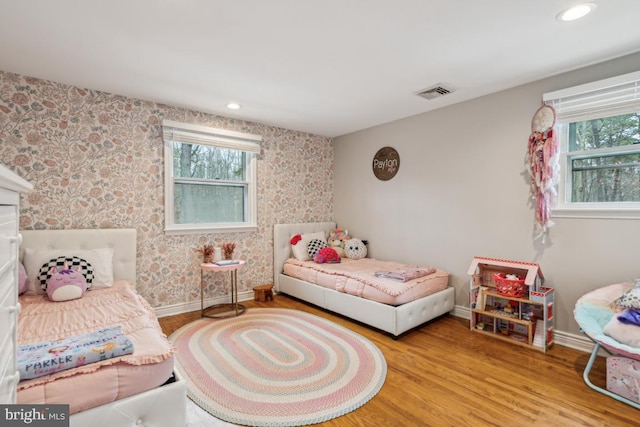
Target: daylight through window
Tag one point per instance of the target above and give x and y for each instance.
(210, 178)
(598, 127)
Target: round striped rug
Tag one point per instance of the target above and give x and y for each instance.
(277, 367)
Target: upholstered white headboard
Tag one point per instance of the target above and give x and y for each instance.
(122, 240)
(282, 234)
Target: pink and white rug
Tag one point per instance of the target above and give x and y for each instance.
(277, 367)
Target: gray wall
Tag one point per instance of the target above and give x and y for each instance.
(462, 190)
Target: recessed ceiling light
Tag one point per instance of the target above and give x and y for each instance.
(233, 106)
(576, 12)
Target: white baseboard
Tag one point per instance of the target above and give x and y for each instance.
(171, 310)
(461, 311)
(577, 342)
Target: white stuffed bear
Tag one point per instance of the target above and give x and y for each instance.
(355, 249)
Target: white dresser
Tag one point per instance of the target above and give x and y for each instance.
(10, 187)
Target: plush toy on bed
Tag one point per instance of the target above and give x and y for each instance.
(326, 254)
(355, 249)
(66, 284)
(337, 238)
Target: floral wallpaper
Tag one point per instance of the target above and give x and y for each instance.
(96, 161)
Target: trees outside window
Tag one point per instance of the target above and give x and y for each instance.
(604, 159)
(210, 181)
(598, 130)
(209, 184)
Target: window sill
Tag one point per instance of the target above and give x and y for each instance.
(210, 230)
(596, 213)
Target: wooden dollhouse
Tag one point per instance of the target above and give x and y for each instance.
(508, 301)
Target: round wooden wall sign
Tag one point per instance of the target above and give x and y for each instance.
(386, 163)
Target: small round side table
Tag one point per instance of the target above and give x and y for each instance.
(234, 308)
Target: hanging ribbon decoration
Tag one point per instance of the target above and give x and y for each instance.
(542, 164)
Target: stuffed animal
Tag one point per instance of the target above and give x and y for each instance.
(336, 240)
(355, 249)
(66, 284)
(326, 254)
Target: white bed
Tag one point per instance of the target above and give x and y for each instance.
(163, 406)
(392, 319)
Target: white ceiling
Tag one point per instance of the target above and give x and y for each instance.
(327, 67)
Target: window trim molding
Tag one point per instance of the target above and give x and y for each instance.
(607, 212)
(212, 137)
(562, 208)
(591, 86)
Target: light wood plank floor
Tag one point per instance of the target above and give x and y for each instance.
(442, 374)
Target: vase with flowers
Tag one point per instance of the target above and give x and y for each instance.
(228, 249)
(207, 253)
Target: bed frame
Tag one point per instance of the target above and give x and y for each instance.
(163, 406)
(392, 319)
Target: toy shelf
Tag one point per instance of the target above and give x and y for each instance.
(499, 315)
(526, 320)
(491, 293)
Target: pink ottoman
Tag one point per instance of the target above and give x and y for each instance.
(623, 377)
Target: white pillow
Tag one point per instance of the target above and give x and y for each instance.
(300, 249)
(101, 260)
(621, 332)
(355, 248)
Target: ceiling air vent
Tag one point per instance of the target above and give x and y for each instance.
(435, 92)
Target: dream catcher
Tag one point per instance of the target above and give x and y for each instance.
(542, 164)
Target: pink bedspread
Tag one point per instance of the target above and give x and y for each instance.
(357, 277)
(150, 365)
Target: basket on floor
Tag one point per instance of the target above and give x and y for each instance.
(509, 287)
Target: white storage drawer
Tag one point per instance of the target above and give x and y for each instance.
(6, 360)
(8, 318)
(9, 387)
(10, 187)
(8, 233)
(8, 280)
(8, 218)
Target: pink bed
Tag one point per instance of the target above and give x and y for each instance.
(358, 278)
(150, 365)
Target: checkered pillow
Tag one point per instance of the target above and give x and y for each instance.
(314, 246)
(72, 262)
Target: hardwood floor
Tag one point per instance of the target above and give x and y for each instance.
(442, 374)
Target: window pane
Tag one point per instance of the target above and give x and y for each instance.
(618, 131)
(606, 178)
(197, 203)
(205, 162)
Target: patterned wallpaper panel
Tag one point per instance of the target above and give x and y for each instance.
(96, 161)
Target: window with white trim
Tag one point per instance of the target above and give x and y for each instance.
(598, 131)
(210, 179)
